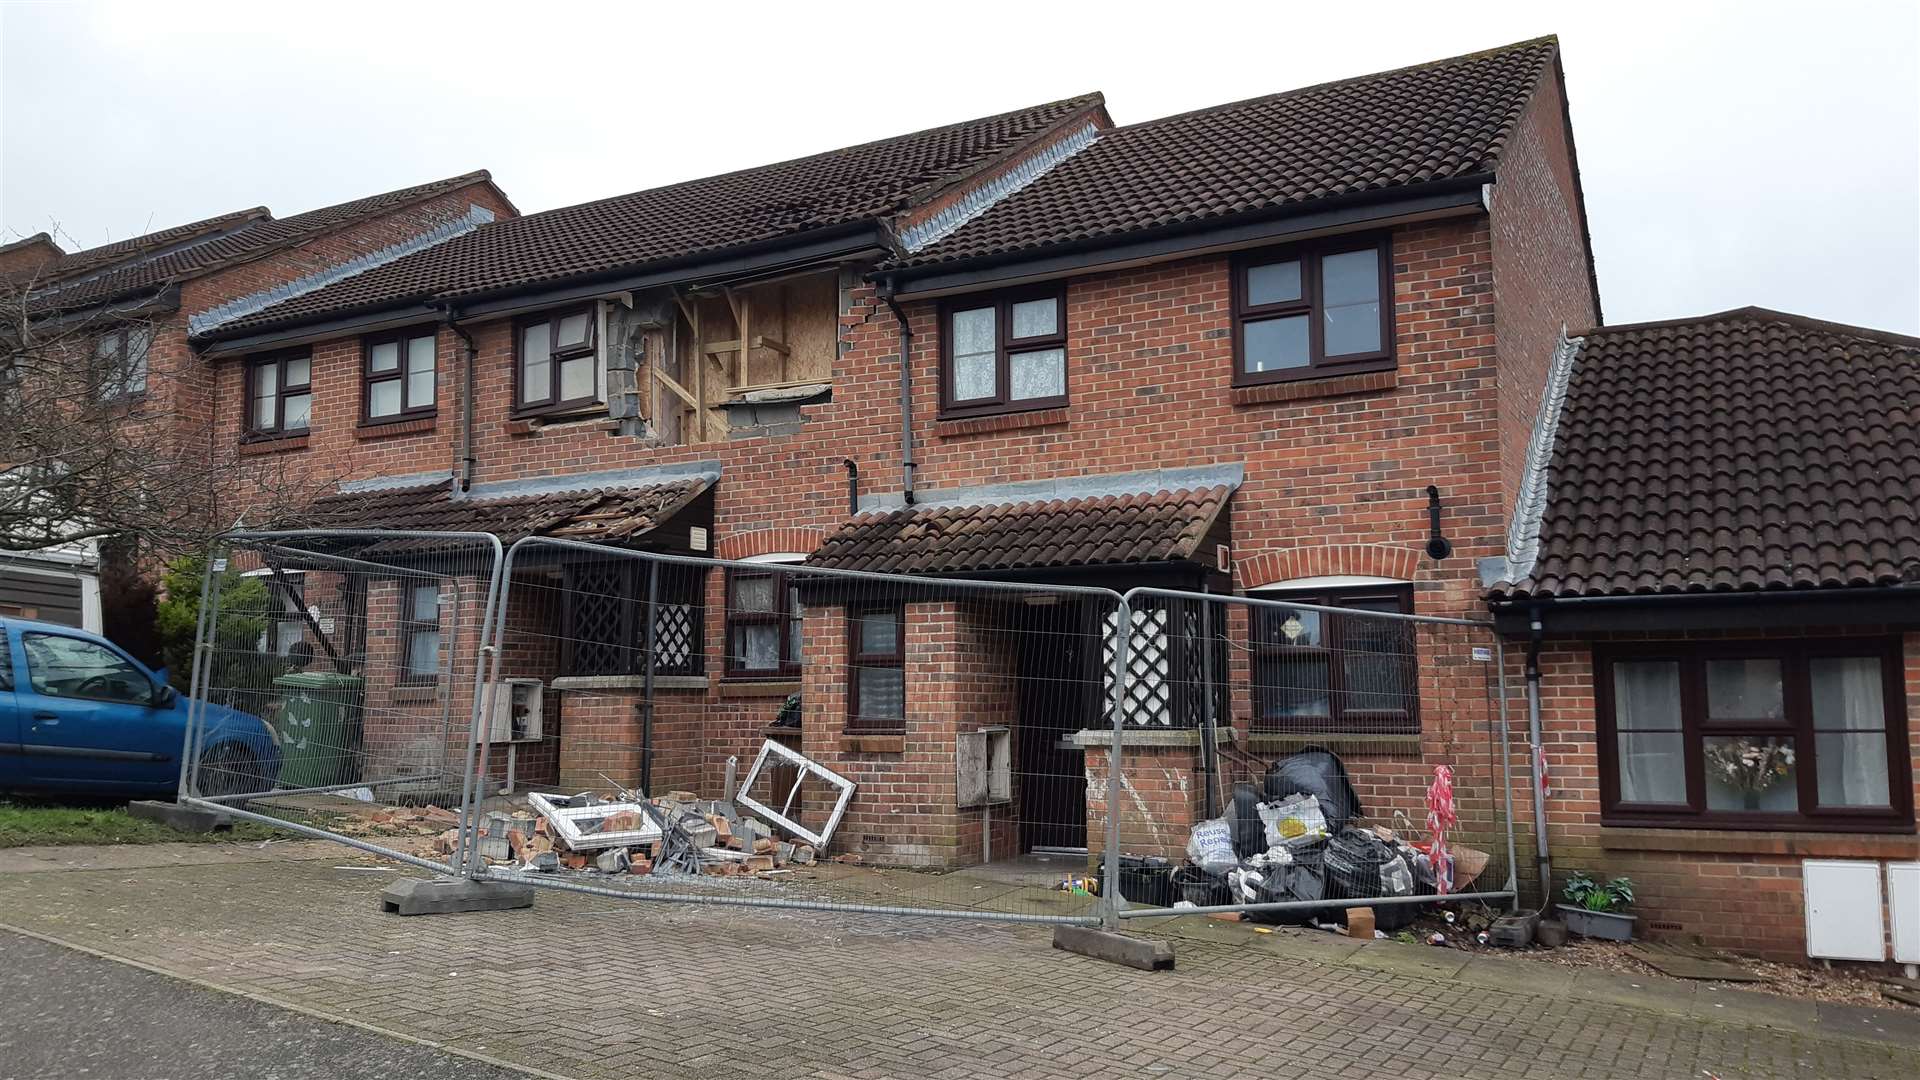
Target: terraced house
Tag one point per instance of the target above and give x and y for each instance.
(1337, 344)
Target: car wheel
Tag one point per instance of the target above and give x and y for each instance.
(229, 769)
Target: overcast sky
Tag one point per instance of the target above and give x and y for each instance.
(1732, 154)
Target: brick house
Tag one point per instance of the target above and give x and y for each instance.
(1715, 560)
(1294, 347)
(140, 299)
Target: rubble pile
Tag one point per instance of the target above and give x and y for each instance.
(677, 832)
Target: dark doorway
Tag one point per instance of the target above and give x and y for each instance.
(1056, 680)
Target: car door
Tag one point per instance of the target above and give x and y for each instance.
(87, 717)
(12, 762)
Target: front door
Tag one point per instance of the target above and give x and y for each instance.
(1056, 666)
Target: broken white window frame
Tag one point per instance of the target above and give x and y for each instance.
(807, 767)
(566, 823)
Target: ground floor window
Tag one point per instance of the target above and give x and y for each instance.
(877, 690)
(420, 633)
(1319, 671)
(1762, 734)
(763, 625)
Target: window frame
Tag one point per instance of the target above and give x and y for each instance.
(411, 626)
(857, 659)
(681, 585)
(788, 666)
(1311, 304)
(278, 361)
(121, 390)
(1004, 346)
(368, 377)
(553, 402)
(1794, 656)
(1336, 721)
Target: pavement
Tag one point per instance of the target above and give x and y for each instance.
(590, 986)
(73, 1014)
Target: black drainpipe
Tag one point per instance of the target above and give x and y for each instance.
(466, 400)
(853, 486)
(906, 392)
(1544, 865)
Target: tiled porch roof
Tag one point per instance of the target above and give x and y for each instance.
(1149, 527)
(602, 514)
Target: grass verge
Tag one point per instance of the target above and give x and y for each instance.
(24, 824)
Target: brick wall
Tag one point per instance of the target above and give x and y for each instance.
(1541, 265)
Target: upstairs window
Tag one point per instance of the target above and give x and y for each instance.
(557, 362)
(120, 362)
(399, 375)
(280, 394)
(1321, 671)
(1313, 310)
(1005, 354)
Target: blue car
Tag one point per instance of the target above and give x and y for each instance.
(79, 716)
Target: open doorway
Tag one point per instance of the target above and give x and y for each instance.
(1057, 687)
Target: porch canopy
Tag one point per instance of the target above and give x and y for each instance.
(658, 511)
(1126, 528)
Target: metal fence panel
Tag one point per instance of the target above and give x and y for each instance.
(1221, 689)
(339, 673)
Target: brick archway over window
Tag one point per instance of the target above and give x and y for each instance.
(1327, 560)
(745, 545)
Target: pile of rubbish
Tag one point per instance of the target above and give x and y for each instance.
(678, 833)
(1294, 838)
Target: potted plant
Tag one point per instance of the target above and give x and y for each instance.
(1596, 909)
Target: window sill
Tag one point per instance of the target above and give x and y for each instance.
(274, 445)
(414, 692)
(1845, 845)
(1148, 736)
(1355, 745)
(536, 422)
(1304, 389)
(874, 744)
(405, 426)
(628, 682)
(951, 427)
(758, 688)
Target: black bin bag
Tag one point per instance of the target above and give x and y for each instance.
(1318, 772)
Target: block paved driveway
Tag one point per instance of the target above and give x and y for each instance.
(589, 987)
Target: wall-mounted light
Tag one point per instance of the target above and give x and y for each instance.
(1437, 546)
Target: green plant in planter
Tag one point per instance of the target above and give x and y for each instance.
(1584, 892)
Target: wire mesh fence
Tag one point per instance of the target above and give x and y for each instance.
(337, 674)
(662, 727)
(1294, 756)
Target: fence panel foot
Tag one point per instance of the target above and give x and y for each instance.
(1117, 948)
(191, 819)
(443, 896)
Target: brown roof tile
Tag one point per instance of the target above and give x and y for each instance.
(598, 514)
(770, 202)
(1448, 118)
(1739, 452)
(1160, 526)
(210, 244)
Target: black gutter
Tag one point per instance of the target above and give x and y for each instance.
(906, 393)
(824, 244)
(1435, 198)
(1873, 605)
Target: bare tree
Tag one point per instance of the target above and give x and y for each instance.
(98, 439)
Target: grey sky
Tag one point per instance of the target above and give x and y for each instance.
(1732, 154)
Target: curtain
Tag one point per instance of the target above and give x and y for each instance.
(1646, 704)
(1850, 738)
